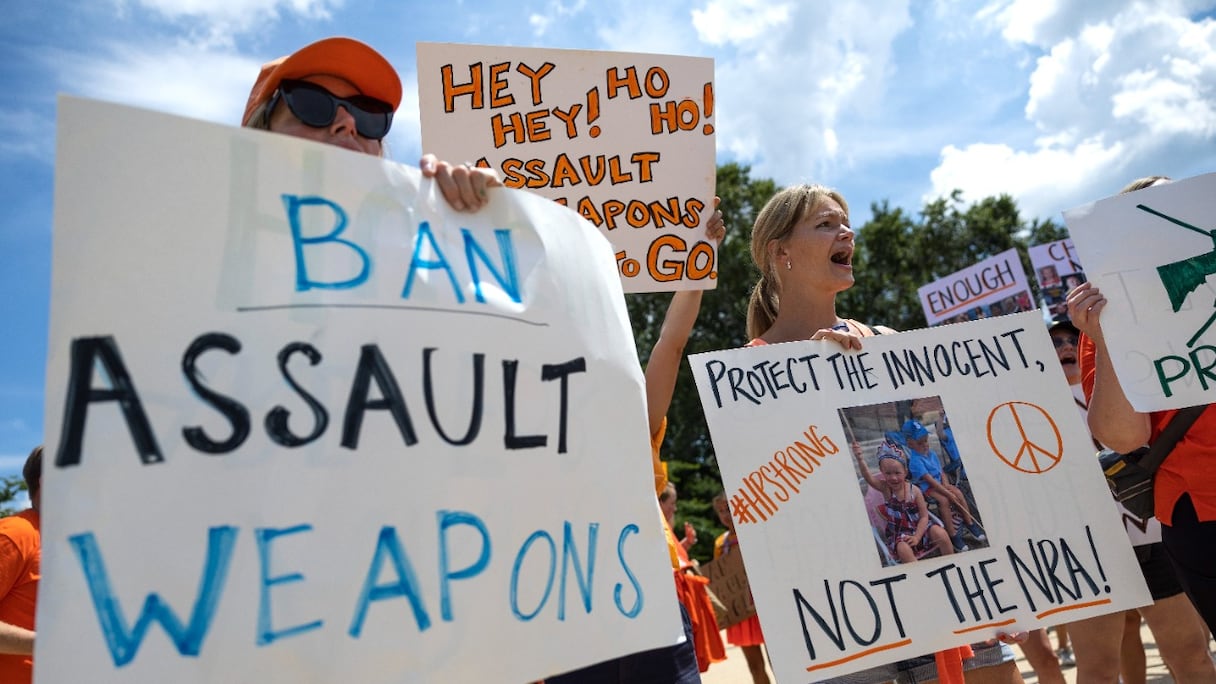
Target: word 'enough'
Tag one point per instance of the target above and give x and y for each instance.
(388, 576)
(960, 292)
(371, 368)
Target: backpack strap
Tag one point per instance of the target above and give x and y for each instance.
(1177, 427)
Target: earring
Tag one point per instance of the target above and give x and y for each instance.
(789, 266)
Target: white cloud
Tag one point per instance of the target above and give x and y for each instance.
(217, 22)
(1042, 179)
(1110, 97)
(737, 21)
(554, 10)
(791, 75)
(188, 80)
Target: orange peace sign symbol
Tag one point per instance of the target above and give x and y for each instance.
(1025, 437)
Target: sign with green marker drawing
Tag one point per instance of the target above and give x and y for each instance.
(1152, 252)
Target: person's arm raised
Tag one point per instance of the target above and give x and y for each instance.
(664, 365)
(1112, 419)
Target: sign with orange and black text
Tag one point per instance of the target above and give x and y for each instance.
(913, 495)
(624, 139)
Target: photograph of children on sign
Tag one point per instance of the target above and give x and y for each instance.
(1151, 253)
(308, 424)
(1057, 270)
(993, 287)
(625, 139)
(912, 496)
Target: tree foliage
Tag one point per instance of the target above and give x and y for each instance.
(896, 254)
(10, 490)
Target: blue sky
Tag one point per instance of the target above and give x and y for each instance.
(1055, 102)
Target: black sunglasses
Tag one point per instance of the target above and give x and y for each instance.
(317, 107)
(1061, 340)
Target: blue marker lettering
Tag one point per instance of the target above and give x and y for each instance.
(266, 634)
(448, 519)
(510, 284)
(303, 282)
(570, 555)
(637, 588)
(519, 561)
(124, 642)
(416, 262)
(406, 584)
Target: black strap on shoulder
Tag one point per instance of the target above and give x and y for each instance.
(1177, 427)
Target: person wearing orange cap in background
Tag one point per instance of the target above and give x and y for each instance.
(20, 570)
(340, 91)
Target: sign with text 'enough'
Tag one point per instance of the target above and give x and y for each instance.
(837, 582)
(306, 424)
(625, 139)
(1152, 253)
(993, 287)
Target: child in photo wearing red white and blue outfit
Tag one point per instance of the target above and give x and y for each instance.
(909, 532)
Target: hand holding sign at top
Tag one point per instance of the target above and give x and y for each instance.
(624, 139)
(341, 92)
(1149, 254)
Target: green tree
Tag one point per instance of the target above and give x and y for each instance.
(687, 448)
(896, 253)
(10, 489)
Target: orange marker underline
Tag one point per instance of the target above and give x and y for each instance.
(1061, 609)
(1002, 623)
(862, 654)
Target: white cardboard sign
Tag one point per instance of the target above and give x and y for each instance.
(1057, 269)
(307, 424)
(625, 139)
(993, 287)
(830, 601)
(1152, 253)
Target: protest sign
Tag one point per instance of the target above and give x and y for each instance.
(1151, 253)
(1057, 270)
(728, 581)
(992, 287)
(625, 139)
(830, 598)
(307, 424)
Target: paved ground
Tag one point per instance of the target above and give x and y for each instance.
(734, 670)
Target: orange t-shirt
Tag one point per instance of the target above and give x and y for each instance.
(20, 561)
(1189, 469)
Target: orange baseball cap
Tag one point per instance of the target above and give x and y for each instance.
(346, 58)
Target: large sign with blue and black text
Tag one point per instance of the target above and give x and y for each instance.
(307, 424)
